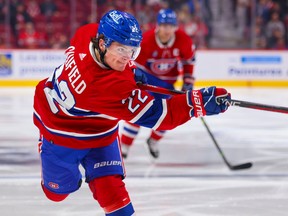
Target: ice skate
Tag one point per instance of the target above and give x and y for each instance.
(153, 147)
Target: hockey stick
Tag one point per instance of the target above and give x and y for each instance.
(160, 90)
(239, 103)
(231, 167)
(258, 106)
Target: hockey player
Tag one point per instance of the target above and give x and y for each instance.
(166, 53)
(77, 110)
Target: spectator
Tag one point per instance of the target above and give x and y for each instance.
(56, 13)
(48, 8)
(146, 18)
(22, 17)
(197, 30)
(286, 27)
(258, 31)
(176, 4)
(190, 26)
(203, 11)
(280, 44)
(59, 41)
(276, 39)
(2, 11)
(33, 8)
(243, 20)
(201, 37)
(31, 39)
(2, 42)
(263, 10)
(274, 24)
(12, 15)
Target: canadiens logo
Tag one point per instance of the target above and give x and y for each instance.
(53, 185)
(162, 66)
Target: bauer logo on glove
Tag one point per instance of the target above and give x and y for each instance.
(209, 101)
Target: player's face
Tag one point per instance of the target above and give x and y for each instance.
(118, 55)
(165, 32)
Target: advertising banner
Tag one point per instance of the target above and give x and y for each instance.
(29, 64)
(241, 65)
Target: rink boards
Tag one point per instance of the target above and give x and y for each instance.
(234, 68)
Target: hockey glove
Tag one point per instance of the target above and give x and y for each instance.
(139, 76)
(188, 83)
(208, 101)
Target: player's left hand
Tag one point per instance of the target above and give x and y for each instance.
(188, 83)
(139, 76)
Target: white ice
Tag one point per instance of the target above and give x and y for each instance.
(189, 178)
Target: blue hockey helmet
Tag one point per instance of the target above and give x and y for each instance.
(167, 16)
(121, 27)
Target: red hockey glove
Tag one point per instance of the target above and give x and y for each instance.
(208, 101)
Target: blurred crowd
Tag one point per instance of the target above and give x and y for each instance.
(261, 24)
(270, 28)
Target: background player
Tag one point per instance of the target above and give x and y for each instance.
(78, 108)
(166, 53)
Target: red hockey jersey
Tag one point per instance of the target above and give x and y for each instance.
(168, 61)
(81, 103)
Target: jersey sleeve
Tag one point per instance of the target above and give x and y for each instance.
(188, 53)
(124, 100)
(165, 114)
(140, 107)
(159, 114)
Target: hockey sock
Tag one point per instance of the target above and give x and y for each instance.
(112, 195)
(157, 135)
(129, 133)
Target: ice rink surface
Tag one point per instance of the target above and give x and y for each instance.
(189, 178)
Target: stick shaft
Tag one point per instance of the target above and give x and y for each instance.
(239, 103)
(216, 143)
(258, 106)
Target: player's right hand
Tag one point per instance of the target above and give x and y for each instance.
(139, 76)
(209, 101)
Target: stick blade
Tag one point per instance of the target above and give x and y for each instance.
(241, 166)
